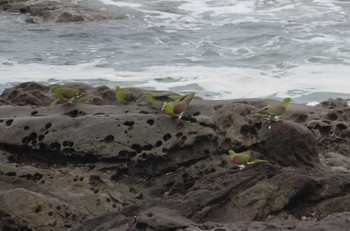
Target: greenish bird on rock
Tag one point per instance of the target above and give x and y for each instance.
(124, 96)
(244, 159)
(177, 107)
(273, 112)
(68, 95)
(158, 98)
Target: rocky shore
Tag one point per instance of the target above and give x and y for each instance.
(63, 11)
(111, 166)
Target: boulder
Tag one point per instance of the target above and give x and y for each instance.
(106, 165)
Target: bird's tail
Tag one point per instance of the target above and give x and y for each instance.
(187, 98)
(258, 161)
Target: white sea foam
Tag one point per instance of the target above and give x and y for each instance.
(121, 4)
(225, 82)
(292, 48)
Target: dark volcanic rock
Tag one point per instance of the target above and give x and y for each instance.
(62, 11)
(111, 166)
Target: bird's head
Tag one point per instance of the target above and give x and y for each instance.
(231, 153)
(286, 101)
(53, 89)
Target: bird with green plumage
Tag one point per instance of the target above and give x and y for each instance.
(68, 95)
(158, 98)
(273, 112)
(177, 107)
(123, 96)
(244, 159)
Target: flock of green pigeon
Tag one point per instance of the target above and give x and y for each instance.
(174, 106)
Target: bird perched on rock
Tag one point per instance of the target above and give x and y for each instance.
(123, 96)
(177, 107)
(244, 159)
(273, 112)
(158, 98)
(68, 95)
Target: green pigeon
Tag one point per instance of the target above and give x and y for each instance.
(67, 95)
(244, 159)
(273, 112)
(157, 98)
(177, 107)
(123, 96)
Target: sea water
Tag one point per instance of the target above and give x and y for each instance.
(221, 49)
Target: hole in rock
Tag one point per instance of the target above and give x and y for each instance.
(150, 122)
(33, 136)
(95, 180)
(9, 122)
(38, 176)
(323, 129)
(73, 113)
(38, 209)
(257, 125)
(341, 126)
(55, 146)
(180, 125)
(125, 154)
(48, 125)
(248, 130)
(142, 226)
(108, 139)
(159, 143)
(129, 123)
(33, 113)
(10, 174)
(144, 156)
(26, 128)
(68, 143)
(136, 147)
(41, 137)
(178, 135)
(197, 113)
(147, 147)
(25, 140)
(333, 116)
(166, 137)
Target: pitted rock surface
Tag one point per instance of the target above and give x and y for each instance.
(111, 166)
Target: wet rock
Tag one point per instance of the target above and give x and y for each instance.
(60, 11)
(104, 165)
(334, 103)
